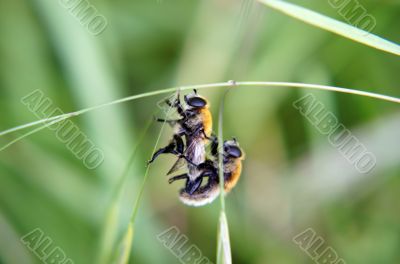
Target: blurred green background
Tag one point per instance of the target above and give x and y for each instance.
(293, 178)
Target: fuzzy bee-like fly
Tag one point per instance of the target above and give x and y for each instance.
(195, 126)
(232, 166)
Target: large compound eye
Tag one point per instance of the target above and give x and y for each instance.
(196, 102)
(234, 151)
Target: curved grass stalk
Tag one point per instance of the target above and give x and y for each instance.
(118, 101)
(332, 25)
(59, 118)
(55, 120)
(38, 122)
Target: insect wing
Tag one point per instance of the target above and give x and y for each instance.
(180, 163)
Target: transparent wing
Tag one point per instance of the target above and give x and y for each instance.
(194, 152)
(179, 164)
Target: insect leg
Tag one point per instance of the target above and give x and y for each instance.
(176, 147)
(178, 177)
(177, 104)
(179, 144)
(214, 146)
(192, 186)
(185, 129)
(207, 166)
(183, 156)
(212, 175)
(171, 122)
(187, 159)
(211, 138)
(168, 149)
(191, 132)
(198, 129)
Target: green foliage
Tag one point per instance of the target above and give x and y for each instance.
(93, 215)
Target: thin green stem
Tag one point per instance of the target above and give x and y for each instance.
(55, 120)
(59, 118)
(354, 33)
(131, 225)
(223, 243)
(140, 194)
(110, 227)
(38, 122)
(221, 152)
(119, 187)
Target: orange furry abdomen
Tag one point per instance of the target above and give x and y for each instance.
(206, 117)
(234, 177)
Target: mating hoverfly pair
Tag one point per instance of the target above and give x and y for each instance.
(193, 132)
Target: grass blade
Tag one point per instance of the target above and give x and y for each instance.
(332, 25)
(54, 121)
(126, 246)
(111, 224)
(123, 257)
(224, 255)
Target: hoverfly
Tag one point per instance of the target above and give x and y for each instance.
(195, 125)
(232, 165)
